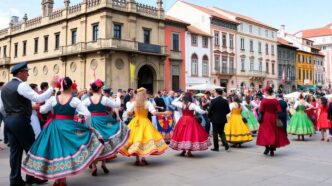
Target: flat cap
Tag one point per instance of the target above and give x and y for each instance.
(107, 90)
(19, 67)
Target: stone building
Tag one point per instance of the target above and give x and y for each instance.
(118, 41)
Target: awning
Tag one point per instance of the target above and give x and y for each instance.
(306, 87)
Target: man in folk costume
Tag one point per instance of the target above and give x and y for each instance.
(218, 110)
(16, 97)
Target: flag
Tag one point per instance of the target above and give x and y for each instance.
(283, 76)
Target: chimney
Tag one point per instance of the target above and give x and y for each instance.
(282, 31)
(14, 20)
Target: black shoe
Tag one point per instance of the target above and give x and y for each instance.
(267, 150)
(226, 147)
(214, 149)
(18, 183)
(271, 153)
(36, 181)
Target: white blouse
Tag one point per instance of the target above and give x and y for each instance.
(108, 102)
(177, 103)
(75, 103)
(148, 105)
(304, 103)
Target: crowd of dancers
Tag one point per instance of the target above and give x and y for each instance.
(66, 132)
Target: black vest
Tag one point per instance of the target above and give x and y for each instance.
(13, 102)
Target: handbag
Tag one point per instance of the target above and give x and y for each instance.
(279, 123)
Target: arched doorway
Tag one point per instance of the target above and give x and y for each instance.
(145, 78)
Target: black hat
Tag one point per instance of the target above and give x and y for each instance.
(219, 91)
(19, 67)
(107, 90)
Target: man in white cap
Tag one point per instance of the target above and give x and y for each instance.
(16, 96)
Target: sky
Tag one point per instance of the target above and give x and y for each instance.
(295, 14)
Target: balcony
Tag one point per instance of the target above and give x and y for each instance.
(113, 44)
(4, 61)
(177, 55)
(256, 75)
(225, 71)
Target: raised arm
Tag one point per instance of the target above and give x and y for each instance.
(48, 105)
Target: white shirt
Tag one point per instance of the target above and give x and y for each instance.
(26, 91)
(148, 105)
(192, 106)
(108, 102)
(2, 108)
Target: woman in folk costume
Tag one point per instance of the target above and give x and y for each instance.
(144, 139)
(189, 135)
(324, 123)
(114, 133)
(249, 115)
(255, 102)
(269, 134)
(312, 112)
(64, 147)
(236, 130)
(300, 124)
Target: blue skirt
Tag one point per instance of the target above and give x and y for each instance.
(64, 148)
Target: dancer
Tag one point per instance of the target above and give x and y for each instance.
(249, 115)
(237, 132)
(323, 124)
(300, 124)
(144, 139)
(269, 134)
(64, 147)
(188, 134)
(114, 133)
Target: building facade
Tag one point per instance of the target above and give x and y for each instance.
(319, 70)
(286, 65)
(222, 56)
(256, 52)
(120, 42)
(198, 56)
(322, 38)
(175, 70)
(305, 69)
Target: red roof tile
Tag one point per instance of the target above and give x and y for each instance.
(211, 13)
(195, 30)
(316, 32)
(285, 42)
(173, 19)
(246, 18)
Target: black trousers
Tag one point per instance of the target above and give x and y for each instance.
(218, 129)
(21, 137)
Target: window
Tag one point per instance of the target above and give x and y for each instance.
(272, 49)
(217, 63)
(194, 40)
(95, 32)
(73, 36)
(299, 74)
(224, 64)
(231, 65)
(45, 43)
(205, 64)
(267, 67)
(241, 27)
(267, 49)
(224, 44)
(260, 47)
(266, 33)
(250, 28)
(15, 49)
(117, 31)
(273, 68)
(4, 51)
(36, 45)
(303, 73)
(259, 31)
(251, 64)
(272, 34)
(251, 45)
(242, 64)
(310, 75)
(231, 41)
(175, 42)
(57, 41)
(280, 71)
(205, 41)
(260, 67)
(24, 48)
(216, 38)
(194, 65)
(242, 43)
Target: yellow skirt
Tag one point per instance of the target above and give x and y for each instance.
(236, 130)
(144, 139)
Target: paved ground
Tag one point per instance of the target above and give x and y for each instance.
(301, 163)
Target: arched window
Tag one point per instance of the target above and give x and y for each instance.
(194, 65)
(205, 66)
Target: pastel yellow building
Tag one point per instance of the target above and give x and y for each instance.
(118, 41)
(304, 69)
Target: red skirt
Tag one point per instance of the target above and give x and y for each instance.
(270, 134)
(323, 122)
(189, 135)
